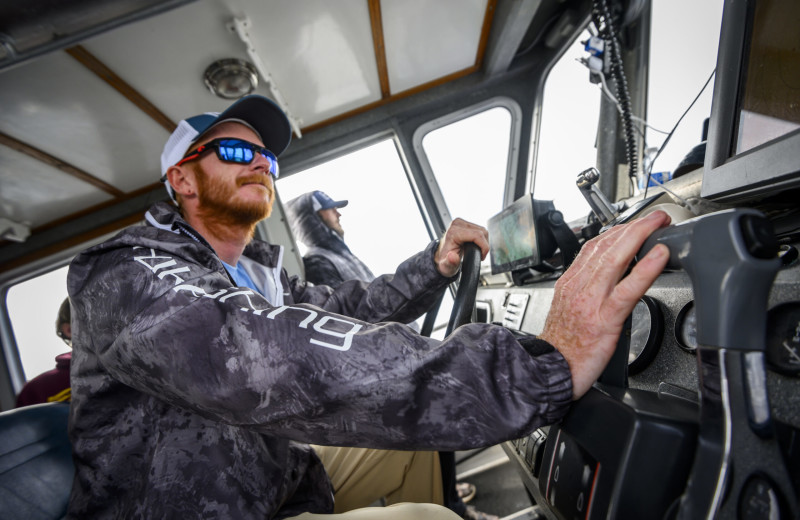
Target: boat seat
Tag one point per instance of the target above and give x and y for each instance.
(36, 468)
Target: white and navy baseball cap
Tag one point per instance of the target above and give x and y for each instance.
(321, 200)
(260, 114)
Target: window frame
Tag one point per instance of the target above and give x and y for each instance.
(432, 184)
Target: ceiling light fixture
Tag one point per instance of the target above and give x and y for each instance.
(231, 78)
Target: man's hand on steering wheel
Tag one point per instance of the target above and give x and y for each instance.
(450, 251)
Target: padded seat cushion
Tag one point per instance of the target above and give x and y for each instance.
(36, 469)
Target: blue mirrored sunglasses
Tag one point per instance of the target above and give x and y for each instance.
(234, 151)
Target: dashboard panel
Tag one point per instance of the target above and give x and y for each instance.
(603, 463)
(672, 363)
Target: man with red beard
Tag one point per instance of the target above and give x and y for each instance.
(201, 372)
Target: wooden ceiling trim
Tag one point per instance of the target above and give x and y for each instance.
(390, 99)
(149, 195)
(72, 241)
(48, 159)
(376, 21)
(383, 71)
(97, 207)
(485, 31)
(91, 62)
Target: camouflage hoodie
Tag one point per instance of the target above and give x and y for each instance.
(193, 398)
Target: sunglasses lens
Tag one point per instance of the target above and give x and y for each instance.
(273, 162)
(235, 151)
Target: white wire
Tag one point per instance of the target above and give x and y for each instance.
(608, 93)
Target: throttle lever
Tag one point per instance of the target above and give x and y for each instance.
(731, 259)
(602, 208)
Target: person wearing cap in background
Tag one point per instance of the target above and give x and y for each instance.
(201, 372)
(314, 219)
(53, 385)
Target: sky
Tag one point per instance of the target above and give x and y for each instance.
(33, 308)
(683, 55)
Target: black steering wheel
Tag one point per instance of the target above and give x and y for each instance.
(464, 301)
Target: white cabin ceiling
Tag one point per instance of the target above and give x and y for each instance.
(85, 125)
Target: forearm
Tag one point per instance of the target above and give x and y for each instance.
(401, 297)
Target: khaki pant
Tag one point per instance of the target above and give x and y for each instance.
(409, 481)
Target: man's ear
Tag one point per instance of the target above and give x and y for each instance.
(183, 180)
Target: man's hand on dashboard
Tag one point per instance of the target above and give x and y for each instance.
(449, 253)
(592, 299)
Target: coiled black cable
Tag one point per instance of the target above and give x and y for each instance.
(606, 29)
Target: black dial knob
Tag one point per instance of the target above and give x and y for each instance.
(783, 338)
(759, 500)
(758, 236)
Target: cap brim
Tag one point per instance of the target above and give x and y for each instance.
(333, 204)
(265, 117)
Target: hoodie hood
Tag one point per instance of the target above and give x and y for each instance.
(309, 228)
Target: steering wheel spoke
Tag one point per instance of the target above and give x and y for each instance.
(464, 302)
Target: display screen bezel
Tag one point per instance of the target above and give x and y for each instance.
(766, 169)
(504, 235)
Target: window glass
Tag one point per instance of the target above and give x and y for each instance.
(570, 111)
(469, 159)
(382, 222)
(678, 69)
(33, 309)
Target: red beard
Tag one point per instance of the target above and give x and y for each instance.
(220, 208)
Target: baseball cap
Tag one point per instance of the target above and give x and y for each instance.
(261, 114)
(320, 200)
(63, 314)
(63, 317)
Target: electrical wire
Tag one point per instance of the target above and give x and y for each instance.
(607, 92)
(606, 29)
(671, 132)
(663, 187)
(545, 28)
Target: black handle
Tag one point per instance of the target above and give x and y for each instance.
(731, 258)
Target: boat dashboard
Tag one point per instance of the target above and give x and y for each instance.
(696, 414)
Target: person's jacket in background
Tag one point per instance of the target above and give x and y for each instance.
(48, 387)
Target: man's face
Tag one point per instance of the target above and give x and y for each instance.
(229, 193)
(331, 219)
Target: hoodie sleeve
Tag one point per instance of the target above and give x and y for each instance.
(402, 297)
(320, 271)
(173, 329)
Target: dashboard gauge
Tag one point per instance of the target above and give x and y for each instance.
(686, 328)
(783, 338)
(647, 329)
